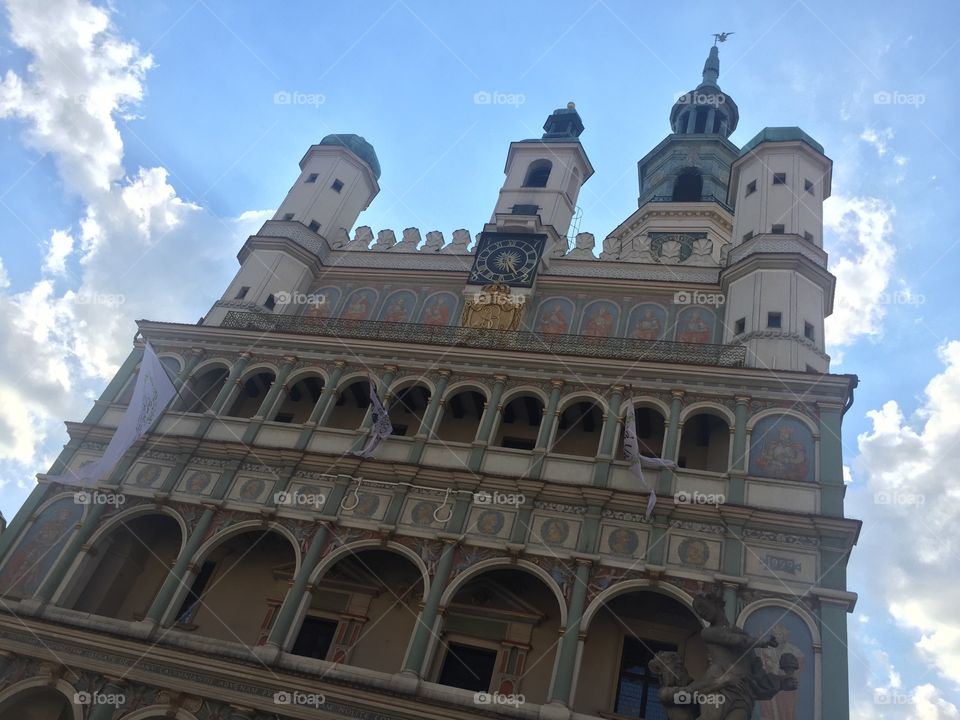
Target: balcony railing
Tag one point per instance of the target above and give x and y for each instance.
(702, 198)
(662, 351)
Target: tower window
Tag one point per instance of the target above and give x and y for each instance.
(314, 225)
(538, 173)
(808, 236)
(688, 186)
(288, 216)
(312, 177)
(808, 186)
(779, 178)
(271, 302)
(777, 229)
(751, 188)
(524, 209)
(747, 235)
(740, 326)
(808, 331)
(242, 292)
(337, 186)
(774, 320)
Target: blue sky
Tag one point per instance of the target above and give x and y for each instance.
(142, 142)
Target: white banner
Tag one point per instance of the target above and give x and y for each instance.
(381, 428)
(631, 450)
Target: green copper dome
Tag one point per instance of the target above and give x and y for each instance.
(359, 146)
(781, 134)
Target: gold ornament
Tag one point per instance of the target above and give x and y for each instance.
(493, 308)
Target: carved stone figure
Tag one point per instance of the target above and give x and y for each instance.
(735, 678)
(434, 242)
(670, 252)
(385, 240)
(361, 239)
(701, 252)
(411, 238)
(584, 247)
(637, 249)
(673, 679)
(611, 248)
(458, 246)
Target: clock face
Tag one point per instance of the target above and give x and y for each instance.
(508, 259)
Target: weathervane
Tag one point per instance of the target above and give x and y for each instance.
(720, 37)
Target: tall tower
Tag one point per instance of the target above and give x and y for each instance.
(544, 177)
(777, 285)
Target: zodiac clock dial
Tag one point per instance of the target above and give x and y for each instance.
(509, 259)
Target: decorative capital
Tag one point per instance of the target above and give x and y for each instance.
(742, 399)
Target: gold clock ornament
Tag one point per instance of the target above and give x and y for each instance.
(493, 308)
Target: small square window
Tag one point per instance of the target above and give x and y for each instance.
(774, 320)
(740, 326)
(288, 216)
(314, 225)
(808, 236)
(242, 292)
(337, 186)
(751, 188)
(270, 302)
(808, 186)
(779, 178)
(777, 229)
(312, 177)
(808, 331)
(747, 235)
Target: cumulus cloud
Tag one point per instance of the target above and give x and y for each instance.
(909, 467)
(62, 338)
(862, 257)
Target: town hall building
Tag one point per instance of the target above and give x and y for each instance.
(493, 557)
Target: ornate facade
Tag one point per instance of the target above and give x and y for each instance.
(242, 562)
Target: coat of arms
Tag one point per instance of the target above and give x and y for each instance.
(493, 308)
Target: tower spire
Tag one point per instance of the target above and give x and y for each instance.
(711, 68)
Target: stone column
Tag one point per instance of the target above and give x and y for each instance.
(174, 579)
(738, 467)
(601, 468)
(831, 460)
(563, 677)
(193, 357)
(672, 440)
(270, 399)
(325, 404)
(298, 594)
(424, 629)
(492, 409)
(434, 406)
(390, 372)
(226, 392)
(549, 422)
(103, 710)
(711, 117)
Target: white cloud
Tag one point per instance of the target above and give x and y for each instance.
(908, 465)
(141, 251)
(878, 139)
(861, 257)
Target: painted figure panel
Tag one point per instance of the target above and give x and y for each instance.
(793, 637)
(782, 447)
(554, 316)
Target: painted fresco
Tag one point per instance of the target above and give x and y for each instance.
(782, 447)
(439, 309)
(554, 316)
(793, 637)
(39, 548)
(398, 307)
(359, 305)
(600, 319)
(695, 325)
(647, 322)
(326, 307)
